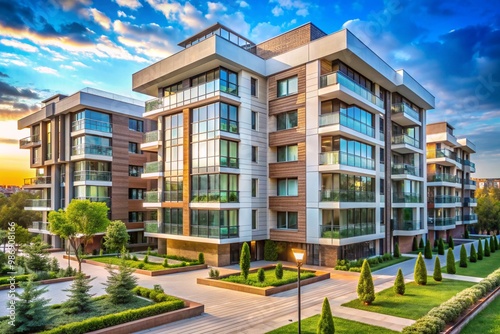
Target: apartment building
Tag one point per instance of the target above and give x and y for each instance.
(450, 188)
(87, 146)
(307, 139)
(487, 183)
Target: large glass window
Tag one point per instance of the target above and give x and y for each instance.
(136, 216)
(218, 224)
(135, 171)
(287, 86)
(90, 144)
(228, 153)
(347, 188)
(173, 189)
(91, 120)
(135, 125)
(288, 153)
(339, 150)
(172, 220)
(208, 120)
(136, 193)
(214, 188)
(286, 120)
(93, 193)
(288, 187)
(174, 152)
(48, 143)
(133, 148)
(89, 170)
(287, 220)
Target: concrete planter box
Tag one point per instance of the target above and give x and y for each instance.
(267, 291)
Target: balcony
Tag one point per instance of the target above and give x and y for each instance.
(441, 223)
(442, 178)
(470, 219)
(404, 144)
(39, 226)
(345, 82)
(214, 232)
(152, 170)
(191, 95)
(92, 149)
(33, 140)
(469, 166)
(349, 231)
(38, 204)
(342, 158)
(151, 141)
(218, 196)
(406, 197)
(92, 125)
(106, 200)
(91, 175)
(336, 118)
(154, 196)
(336, 195)
(404, 115)
(408, 225)
(444, 157)
(151, 226)
(37, 182)
(469, 184)
(470, 201)
(405, 169)
(445, 199)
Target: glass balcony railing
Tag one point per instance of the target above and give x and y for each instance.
(443, 153)
(153, 167)
(38, 203)
(444, 199)
(471, 217)
(192, 94)
(468, 200)
(340, 78)
(342, 158)
(33, 139)
(91, 175)
(408, 225)
(441, 221)
(91, 124)
(405, 139)
(151, 226)
(153, 196)
(406, 197)
(338, 118)
(219, 196)
(92, 149)
(39, 226)
(469, 163)
(150, 137)
(349, 231)
(398, 169)
(215, 232)
(469, 182)
(443, 177)
(39, 180)
(336, 195)
(405, 109)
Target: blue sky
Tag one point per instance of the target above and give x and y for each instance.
(61, 46)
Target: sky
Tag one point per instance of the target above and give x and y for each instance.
(61, 46)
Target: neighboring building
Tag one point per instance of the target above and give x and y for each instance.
(487, 183)
(285, 140)
(9, 190)
(87, 146)
(450, 188)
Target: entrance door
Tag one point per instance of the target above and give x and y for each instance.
(234, 251)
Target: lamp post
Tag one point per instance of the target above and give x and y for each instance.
(299, 258)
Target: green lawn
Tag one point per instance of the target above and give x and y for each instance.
(389, 263)
(308, 326)
(486, 322)
(417, 300)
(481, 268)
(289, 276)
(134, 264)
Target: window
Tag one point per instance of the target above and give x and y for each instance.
(288, 187)
(135, 125)
(254, 153)
(217, 224)
(228, 153)
(287, 220)
(221, 188)
(254, 219)
(287, 86)
(91, 120)
(228, 118)
(255, 118)
(255, 186)
(135, 171)
(172, 219)
(134, 193)
(136, 216)
(286, 120)
(133, 148)
(288, 153)
(253, 86)
(89, 144)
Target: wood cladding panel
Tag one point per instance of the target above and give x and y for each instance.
(186, 173)
(286, 137)
(325, 66)
(119, 168)
(287, 169)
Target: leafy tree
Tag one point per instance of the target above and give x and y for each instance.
(420, 271)
(325, 323)
(441, 246)
(79, 298)
(37, 256)
(270, 251)
(261, 275)
(450, 262)
(78, 223)
(3, 238)
(421, 243)
(463, 257)
(488, 212)
(492, 245)
(32, 313)
(278, 271)
(245, 260)
(480, 252)
(397, 253)
(428, 251)
(414, 246)
(399, 283)
(12, 210)
(119, 284)
(21, 236)
(473, 254)
(54, 265)
(366, 289)
(116, 236)
(437, 270)
(451, 244)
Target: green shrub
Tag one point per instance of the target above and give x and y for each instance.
(355, 269)
(365, 289)
(451, 244)
(473, 254)
(148, 252)
(440, 246)
(19, 278)
(486, 248)
(495, 239)
(463, 257)
(480, 252)
(414, 246)
(146, 259)
(397, 253)
(428, 250)
(420, 271)
(157, 287)
(270, 251)
(201, 258)
(325, 323)
(140, 266)
(134, 257)
(437, 270)
(213, 273)
(245, 260)
(261, 275)
(165, 263)
(278, 271)
(421, 243)
(399, 283)
(466, 233)
(450, 262)
(493, 246)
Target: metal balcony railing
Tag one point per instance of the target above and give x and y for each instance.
(405, 139)
(30, 140)
(39, 180)
(406, 197)
(408, 225)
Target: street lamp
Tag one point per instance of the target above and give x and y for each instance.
(299, 258)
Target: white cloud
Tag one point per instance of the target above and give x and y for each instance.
(243, 4)
(46, 70)
(19, 45)
(77, 63)
(89, 83)
(263, 31)
(67, 67)
(100, 18)
(56, 55)
(277, 11)
(187, 15)
(132, 4)
(123, 14)
(109, 49)
(301, 8)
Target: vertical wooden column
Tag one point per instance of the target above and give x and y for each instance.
(388, 173)
(186, 163)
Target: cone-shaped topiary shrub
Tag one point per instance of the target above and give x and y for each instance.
(450, 262)
(492, 245)
(428, 250)
(441, 247)
(437, 270)
(201, 258)
(495, 239)
(414, 247)
(366, 290)
(261, 275)
(421, 243)
(436, 243)
(397, 253)
(463, 257)
(466, 233)
(473, 254)
(420, 271)
(487, 251)
(399, 283)
(325, 323)
(278, 271)
(450, 242)
(480, 252)
(245, 260)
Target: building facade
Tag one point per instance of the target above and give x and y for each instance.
(450, 193)
(307, 139)
(87, 146)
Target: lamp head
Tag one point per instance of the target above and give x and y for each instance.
(299, 255)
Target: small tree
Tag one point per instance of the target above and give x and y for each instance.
(116, 236)
(32, 313)
(480, 252)
(421, 243)
(450, 242)
(420, 271)
(399, 283)
(325, 323)
(414, 246)
(463, 257)
(397, 253)
(37, 257)
(428, 250)
(261, 275)
(473, 254)
(450, 262)
(201, 258)
(437, 270)
(245, 260)
(440, 246)
(366, 289)
(278, 271)
(119, 284)
(79, 297)
(487, 251)
(466, 233)
(54, 265)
